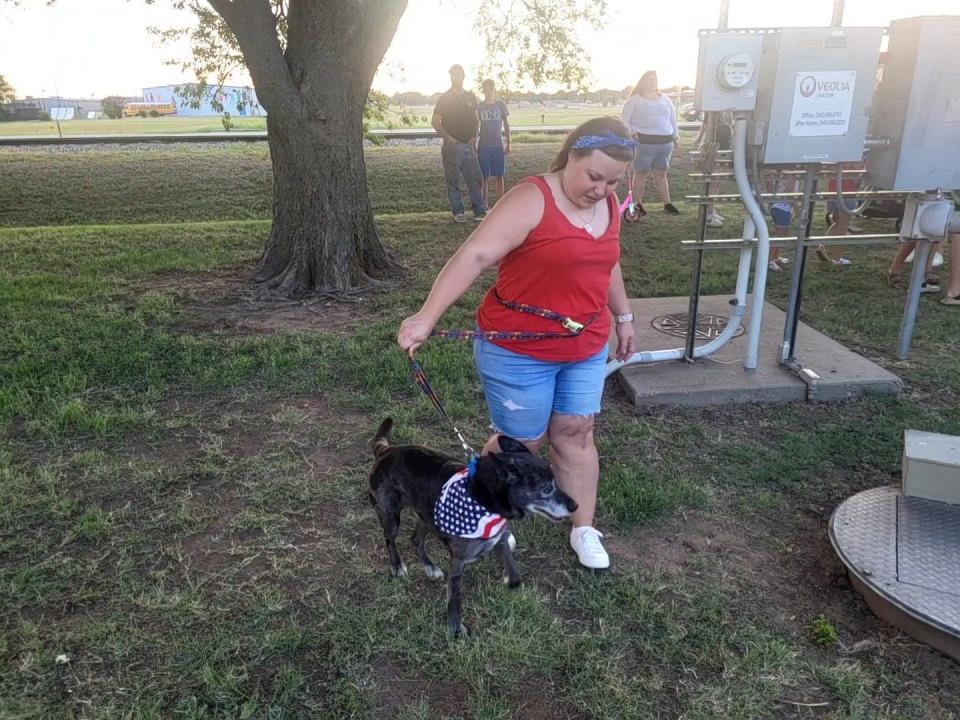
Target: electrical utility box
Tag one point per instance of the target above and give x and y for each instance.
(814, 93)
(917, 106)
(727, 70)
(931, 466)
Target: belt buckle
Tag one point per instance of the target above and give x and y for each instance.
(572, 325)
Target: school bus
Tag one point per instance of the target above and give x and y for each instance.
(153, 109)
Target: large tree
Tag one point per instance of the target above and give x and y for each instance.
(7, 93)
(312, 63)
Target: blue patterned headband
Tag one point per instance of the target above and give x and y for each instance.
(604, 139)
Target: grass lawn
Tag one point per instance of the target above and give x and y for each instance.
(182, 469)
(420, 116)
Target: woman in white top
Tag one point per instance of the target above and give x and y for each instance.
(652, 118)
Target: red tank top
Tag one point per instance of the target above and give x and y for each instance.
(559, 267)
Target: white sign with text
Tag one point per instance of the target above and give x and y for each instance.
(822, 102)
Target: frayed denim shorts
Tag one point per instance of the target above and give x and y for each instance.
(523, 392)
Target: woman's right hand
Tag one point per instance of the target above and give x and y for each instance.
(414, 332)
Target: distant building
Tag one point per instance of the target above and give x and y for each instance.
(237, 100)
(31, 108)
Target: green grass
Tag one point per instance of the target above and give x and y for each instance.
(419, 117)
(182, 512)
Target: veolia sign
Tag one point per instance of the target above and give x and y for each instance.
(822, 102)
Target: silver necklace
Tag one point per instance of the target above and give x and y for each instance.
(587, 224)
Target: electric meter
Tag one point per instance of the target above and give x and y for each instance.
(735, 71)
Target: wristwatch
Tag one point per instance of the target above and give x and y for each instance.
(626, 317)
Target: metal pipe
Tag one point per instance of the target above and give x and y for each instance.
(917, 276)
(837, 19)
(724, 20)
(737, 309)
(709, 135)
(799, 264)
(763, 241)
(790, 240)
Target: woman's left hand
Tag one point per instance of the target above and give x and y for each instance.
(626, 341)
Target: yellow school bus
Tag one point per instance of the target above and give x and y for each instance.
(151, 109)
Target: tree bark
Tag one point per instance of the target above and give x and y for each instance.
(323, 237)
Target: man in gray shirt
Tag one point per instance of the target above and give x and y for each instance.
(455, 120)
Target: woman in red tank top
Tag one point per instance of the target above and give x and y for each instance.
(556, 239)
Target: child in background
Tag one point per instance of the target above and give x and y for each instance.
(490, 149)
(782, 213)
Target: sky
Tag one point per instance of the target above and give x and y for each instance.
(94, 48)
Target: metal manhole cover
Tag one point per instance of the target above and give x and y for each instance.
(709, 326)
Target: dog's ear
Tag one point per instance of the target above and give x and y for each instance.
(508, 444)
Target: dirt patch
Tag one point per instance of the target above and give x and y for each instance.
(672, 546)
(228, 303)
(399, 688)
(246, 427)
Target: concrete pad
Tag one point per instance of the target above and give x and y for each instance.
(723, 380)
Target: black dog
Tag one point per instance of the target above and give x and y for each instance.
(470, 513)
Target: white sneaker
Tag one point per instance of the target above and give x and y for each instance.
(585, 542)
(714, 220)
(937, 258)
(774, 266)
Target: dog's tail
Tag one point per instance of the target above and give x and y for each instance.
(381, 443)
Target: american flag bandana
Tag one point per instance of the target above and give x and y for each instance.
(459, 515)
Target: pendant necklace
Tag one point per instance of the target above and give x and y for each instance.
(587, 225)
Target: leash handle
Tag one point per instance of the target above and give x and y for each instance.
(421, 380)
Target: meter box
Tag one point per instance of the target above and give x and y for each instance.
(814, 93)
(917, 107)
(727, 70)
(931, 466)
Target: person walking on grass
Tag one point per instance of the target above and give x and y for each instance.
(456, 122)
(555, 241)
(952, 294)
(491, 151)
(652, 118)
(782, 212)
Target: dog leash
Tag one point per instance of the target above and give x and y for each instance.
(572, 327)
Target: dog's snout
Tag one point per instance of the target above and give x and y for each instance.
(571, 504)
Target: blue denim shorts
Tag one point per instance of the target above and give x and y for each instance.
(655, 156)
(782, 217)
(523, 392)
(492, 163)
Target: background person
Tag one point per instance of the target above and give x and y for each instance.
(652, 118)
(724, 141)
(556, 241)
(952, 294)
(782, 212)
(456, 122)
(490, 146)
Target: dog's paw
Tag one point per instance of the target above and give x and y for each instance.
(433, 572)
(399, 571)
(512, 583)
(457, 633)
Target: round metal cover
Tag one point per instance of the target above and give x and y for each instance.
(709, 326)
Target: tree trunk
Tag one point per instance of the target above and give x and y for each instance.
(323, 237)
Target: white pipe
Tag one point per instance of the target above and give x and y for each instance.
(733, 322)
(763, 240)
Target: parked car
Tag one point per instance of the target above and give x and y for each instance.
(689, 113)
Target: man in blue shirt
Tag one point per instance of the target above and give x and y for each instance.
(493, 124)
(455, 120)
